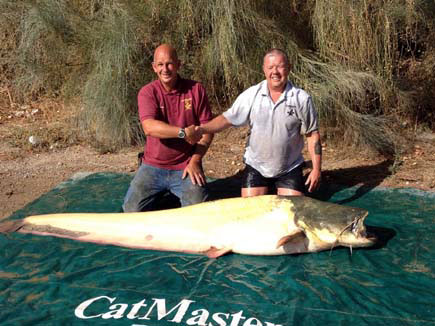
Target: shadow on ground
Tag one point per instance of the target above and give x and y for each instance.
(365, 178)
(382, 235)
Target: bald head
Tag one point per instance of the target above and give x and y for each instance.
(167, 50)
(166, 65)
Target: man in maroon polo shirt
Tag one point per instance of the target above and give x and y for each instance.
(169, 109)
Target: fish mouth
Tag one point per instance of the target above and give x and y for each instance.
(371, 237)
(360, 231)
(357, 234)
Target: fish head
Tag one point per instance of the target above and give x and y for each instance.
(327, 225)
(355, 233)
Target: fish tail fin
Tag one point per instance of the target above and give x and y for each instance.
(11, 226)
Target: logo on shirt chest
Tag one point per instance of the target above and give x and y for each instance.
(187, 104)
(290, 110)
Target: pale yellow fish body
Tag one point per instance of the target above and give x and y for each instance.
(263, 225)
(247, 226)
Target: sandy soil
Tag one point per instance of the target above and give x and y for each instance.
(26, 174)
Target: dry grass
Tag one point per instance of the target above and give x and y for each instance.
(348, 54)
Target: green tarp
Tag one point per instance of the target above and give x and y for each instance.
(53, 281)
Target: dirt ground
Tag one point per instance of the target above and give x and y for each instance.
(26, 174)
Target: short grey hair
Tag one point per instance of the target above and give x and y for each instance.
(277, 51)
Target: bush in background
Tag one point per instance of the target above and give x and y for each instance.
(368, 64)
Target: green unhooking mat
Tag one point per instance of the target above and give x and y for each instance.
(53, 281)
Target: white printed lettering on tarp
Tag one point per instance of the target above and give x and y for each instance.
(177, 314)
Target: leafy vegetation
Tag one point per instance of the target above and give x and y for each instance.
(368, 64)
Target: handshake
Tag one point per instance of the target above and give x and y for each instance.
(193, 134)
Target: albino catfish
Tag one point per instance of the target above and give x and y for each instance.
(263, 225)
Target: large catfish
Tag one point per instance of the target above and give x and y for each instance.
(263, 225)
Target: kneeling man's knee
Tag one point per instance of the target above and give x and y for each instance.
(194, 194)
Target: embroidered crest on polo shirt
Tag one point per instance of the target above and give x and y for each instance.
(290, 110)
(187, 104)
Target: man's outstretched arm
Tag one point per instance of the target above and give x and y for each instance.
(216, 125)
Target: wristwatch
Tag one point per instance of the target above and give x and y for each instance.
(181, 133)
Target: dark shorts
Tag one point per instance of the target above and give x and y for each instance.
(292, 180)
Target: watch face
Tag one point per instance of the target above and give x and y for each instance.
(181, 133)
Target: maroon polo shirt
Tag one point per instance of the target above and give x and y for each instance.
(186, 105)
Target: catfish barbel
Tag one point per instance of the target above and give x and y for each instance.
(262, 225)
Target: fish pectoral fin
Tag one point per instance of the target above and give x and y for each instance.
(216, 253)
(295, 237)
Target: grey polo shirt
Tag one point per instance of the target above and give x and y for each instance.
(276, 140)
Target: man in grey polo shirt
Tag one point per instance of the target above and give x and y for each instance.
(279, 115)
